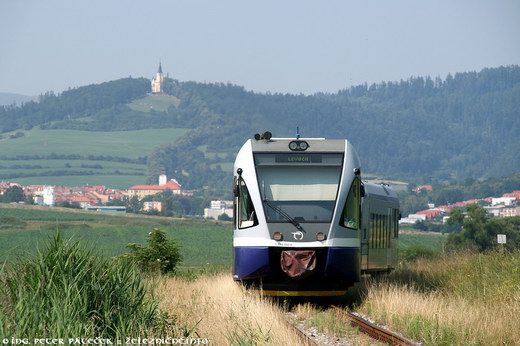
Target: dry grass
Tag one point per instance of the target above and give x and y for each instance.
(465, 299)
(218, 309)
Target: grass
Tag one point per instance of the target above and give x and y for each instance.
(121, 144)
(224, 312)
(159, 103)
(131, 144)
(110, 181)
(432, 241)
(457, 299)
(68, 291)
(203, 243)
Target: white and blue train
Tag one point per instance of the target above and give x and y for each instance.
(305, 224)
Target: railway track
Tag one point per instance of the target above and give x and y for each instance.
(305, 338)
(310, 336)
(373, 330)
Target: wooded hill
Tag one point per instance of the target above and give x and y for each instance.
(464, 126)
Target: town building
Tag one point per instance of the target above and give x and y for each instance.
(141, 191)
(151, 206)
(218, 208)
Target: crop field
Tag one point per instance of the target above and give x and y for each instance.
(111, 181)
(131, 144)
(432, 241)
(24, 230)
(88, 168)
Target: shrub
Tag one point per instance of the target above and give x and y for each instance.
(161, 255)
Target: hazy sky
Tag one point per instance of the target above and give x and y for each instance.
(270, 45)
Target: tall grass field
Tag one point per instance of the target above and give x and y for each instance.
(457, 299)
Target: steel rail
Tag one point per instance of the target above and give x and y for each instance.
(375, 331)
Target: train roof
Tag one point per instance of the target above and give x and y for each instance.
(314, 145)
(379, 191)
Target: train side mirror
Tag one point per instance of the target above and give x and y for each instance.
(362, 190)
(236, 183)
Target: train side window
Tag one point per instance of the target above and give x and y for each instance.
(351, 211)
(246, 210)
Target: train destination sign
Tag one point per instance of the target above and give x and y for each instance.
(298, 158)
(325, 159)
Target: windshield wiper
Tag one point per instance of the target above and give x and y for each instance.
(288, 217)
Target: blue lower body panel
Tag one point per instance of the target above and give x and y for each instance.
(342, 262)
(335, 266)
(250, 262)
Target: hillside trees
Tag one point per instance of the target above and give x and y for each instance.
(73, 103)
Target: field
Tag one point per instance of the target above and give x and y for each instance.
(52, 145)
(460, 299)
(159, 103)
(24, 230)
(110, 233)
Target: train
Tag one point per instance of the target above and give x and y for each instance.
(305, 222)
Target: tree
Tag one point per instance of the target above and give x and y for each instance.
(13, 194)
(455, 221)
(134, 205)
(161, 254)
(480, 233)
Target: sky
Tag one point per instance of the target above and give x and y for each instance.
(287, 46)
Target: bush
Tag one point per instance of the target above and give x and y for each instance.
(161, 255)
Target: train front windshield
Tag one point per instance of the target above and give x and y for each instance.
(298, 187)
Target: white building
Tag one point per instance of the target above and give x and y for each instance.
(217, 208)
(412, 219)
(507, 201)
(49, 197)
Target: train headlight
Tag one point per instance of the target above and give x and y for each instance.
(298, 145)
(320, 236)
(277, 236)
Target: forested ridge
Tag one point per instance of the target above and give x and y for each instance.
(464, 126)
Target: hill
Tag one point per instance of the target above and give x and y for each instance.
(7, 99)
(465, 126)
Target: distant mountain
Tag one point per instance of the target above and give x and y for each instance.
(7, 99)
(464, 126)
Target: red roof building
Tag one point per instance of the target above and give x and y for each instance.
(142, 191)
(430, 213)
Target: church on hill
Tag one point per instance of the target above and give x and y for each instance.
(158, 81)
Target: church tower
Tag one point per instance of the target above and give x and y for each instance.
(158, 81)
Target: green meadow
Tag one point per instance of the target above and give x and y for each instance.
(159, 103)
(24, 230)
(129, 144)
(123, 145)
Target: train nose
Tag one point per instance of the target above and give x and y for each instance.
(298, 264)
